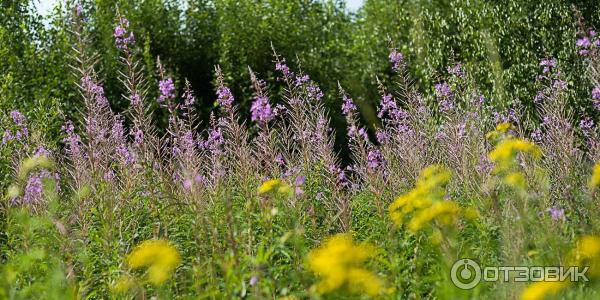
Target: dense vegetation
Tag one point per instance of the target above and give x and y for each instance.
(272, 149)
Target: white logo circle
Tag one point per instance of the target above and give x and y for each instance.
(466, 277)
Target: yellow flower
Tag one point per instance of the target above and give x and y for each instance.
(589, 246)
(277, 185)
(503, 127)
(501, 130)
(515, 179)
(508, 148)
(471, 213)
(124, 284)
(595, 181)
(444, 211)
(539, 290)
(338, 261)
(159, 256)
(587, 253)
(430, 187)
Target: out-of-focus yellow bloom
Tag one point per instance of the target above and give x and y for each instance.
(338, 262)
(426, 202)
(124, 284)
(471, 213)
(587, 253)
(504, 158)
(445, 212)
(589, 246)
(501, 130)
(540, 290)
(159, 256)
(508, 148)
(430, 187)
(595, 180)
(274, 185)
(516, 179)
(532, 253)
(503, 127)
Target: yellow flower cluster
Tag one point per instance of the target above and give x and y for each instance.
(426, 201)
(501, 130)
(159, 256)
(507, 149)
(587, 253)
(339, 264)
(504, 158)
(540, 290)
(274, 185)
(595, 180)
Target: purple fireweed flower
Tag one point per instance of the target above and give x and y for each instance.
(587, 127)
(547, 64)
(135, 100)
(261, 110)
(188, 142)
(18, 118)
(539, 97)
(456, 70)
(41, 151)
(481, 100)
(339, 174)
(387, 105)
(485, 164)
(596, 93)
(187, 184)
(299, 182)
(559, 84)
(123, 38)
(224, 97)
(72, 140)
(442, 90)
(363, 134)
(557, 214)
(138, 137)
(33, 190)
(175, 151)
(300, 80)
(109, 175)
(444, 95)
(375, 160)
(596, 96)
(253, 281)
(397, 59)
(314, 92)
(537, 135)
(167, 90)
(348, 105)
(283, 68)
(78, 9)
(95, 90)
(125, 156)
(382, 136)
(214, 140)
(280, 160)
(188, 98)
(461, 130)
(6, 137)
(583, 42)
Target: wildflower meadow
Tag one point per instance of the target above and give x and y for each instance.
(122, 178)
